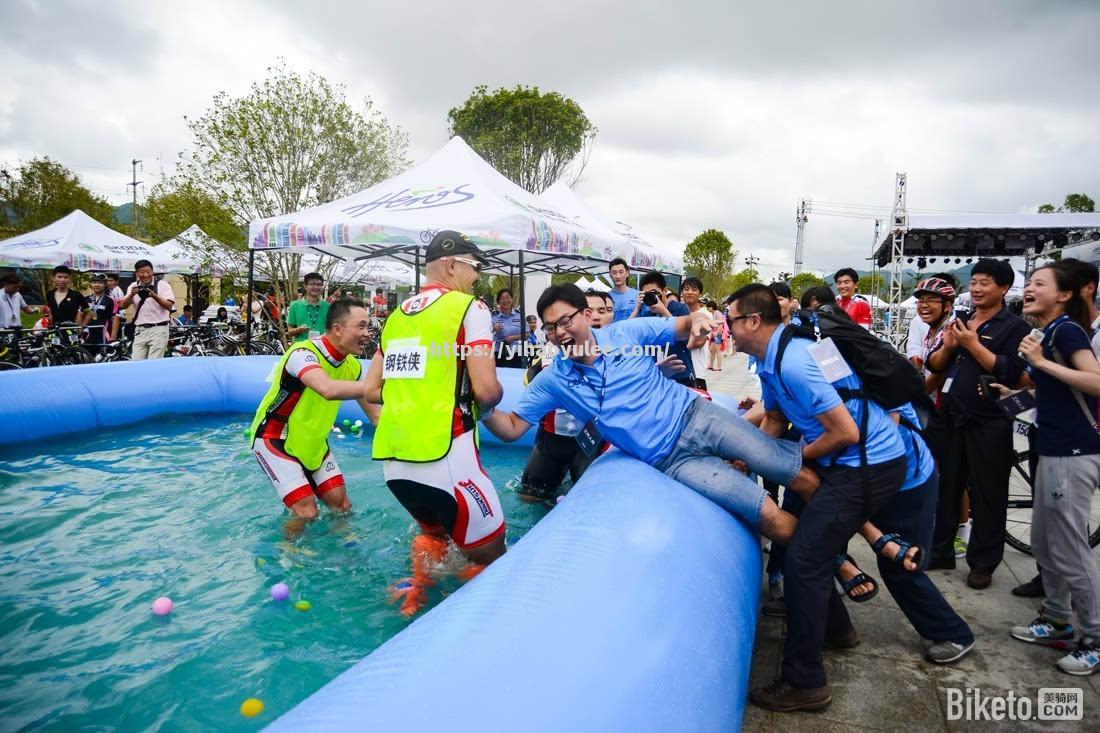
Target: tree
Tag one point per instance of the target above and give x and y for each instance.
(710, 257)
(872, 285)
(738, 280)
(170, 210)
(531, 137)
(1075, 203)
(290, 143)
(42, 191)
(803, 281)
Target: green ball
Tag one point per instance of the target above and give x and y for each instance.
(247, 432)
(355, 428)
(346, 423)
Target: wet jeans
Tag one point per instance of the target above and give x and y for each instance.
(710, 437)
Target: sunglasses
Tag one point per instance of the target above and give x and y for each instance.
(472, 263)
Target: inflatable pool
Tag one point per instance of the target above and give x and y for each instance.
(631, 606)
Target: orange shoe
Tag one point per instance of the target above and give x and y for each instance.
(412, 596)
(470, 571)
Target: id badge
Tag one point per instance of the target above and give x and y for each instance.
(829, 360)
(589, 439)
(314, 334)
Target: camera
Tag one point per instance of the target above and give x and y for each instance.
(651, 297)
(143, 291)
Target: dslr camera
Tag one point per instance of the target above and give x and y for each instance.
(651, 297)
(143, 291)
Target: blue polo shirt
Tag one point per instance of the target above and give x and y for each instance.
(642, 412)
(623, 303)
(805, 394)
(918, 459)
(679, 348)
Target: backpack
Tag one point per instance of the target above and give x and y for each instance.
(888, 378)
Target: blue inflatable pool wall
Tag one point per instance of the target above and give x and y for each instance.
(631, 606)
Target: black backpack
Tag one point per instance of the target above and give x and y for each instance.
(887, 376)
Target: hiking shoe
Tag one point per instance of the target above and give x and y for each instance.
(978, 580)
(1041, 631)
(786, 698)
(775, 607)
(946, 652)
(1083, 660)
(960, 547)
(1031, 589)
(845, 640)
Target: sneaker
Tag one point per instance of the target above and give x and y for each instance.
(1031, 589)
(1083, 660)
(785, 698)
(1041, 631)
(960, 547)
(946, 652)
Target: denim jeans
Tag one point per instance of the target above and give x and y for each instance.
(709, 437)
(912, 514)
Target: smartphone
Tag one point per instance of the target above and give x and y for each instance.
(1035, 335)
(985, 386)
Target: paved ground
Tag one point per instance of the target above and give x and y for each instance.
(885, 684)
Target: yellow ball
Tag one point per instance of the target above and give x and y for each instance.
(303, 605)
(252, 707)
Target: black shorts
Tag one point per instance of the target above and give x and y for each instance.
(551, 456)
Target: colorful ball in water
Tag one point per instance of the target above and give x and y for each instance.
(335, 429)
(162, 606)
(252, 707)
(247, 432)
(303, 605)
(355, 428)
(358, 423)
(346, 423)
(280, 592)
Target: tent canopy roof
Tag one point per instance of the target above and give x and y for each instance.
(187, 247)
(561, 197)
(453, 189)
(82, 243)
(990, 235)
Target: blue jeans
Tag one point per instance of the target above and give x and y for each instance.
(709, 437)
(912, 514)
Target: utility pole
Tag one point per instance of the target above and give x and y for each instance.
(134, 183)
(800, 221)
(750, 261)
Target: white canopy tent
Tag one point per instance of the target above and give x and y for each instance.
(82, 243)
(643, 254)
(198, 252)
(453, 189)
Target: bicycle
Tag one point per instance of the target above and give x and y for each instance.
(1021, 500)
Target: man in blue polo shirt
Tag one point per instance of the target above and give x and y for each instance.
(624, 297)
(608, 382)
(805, 398)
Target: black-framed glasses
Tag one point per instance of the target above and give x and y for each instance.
(563, 322)
(747, 315)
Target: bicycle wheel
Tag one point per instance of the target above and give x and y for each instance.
(262, 348)
(6, 366)
(1018, 519)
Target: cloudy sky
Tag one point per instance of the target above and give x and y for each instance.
(711, 114)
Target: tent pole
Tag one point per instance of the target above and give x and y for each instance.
(522, 309)
(416, 267)
(248, 300)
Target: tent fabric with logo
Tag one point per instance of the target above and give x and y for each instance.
(82, 243)
(562, 198)
(453, 189)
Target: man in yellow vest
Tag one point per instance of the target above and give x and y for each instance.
(289, 434)
(435, 376)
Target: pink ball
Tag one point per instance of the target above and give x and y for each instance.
(280, 592)
(162, 606)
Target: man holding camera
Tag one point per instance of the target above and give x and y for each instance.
(653, 302)
(154, 302)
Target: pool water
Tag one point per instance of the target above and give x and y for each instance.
(94, 527)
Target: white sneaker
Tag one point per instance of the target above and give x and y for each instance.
(1083, 660)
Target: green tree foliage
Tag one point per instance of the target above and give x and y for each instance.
(1075, 203)
(803, 281)
(710, 257)
(531, 137)
(292, 142)
(171, 210)
(872, 285)
(41, 191)
(739, 279)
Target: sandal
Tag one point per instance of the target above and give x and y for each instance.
(902, 554)
(859, 579)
